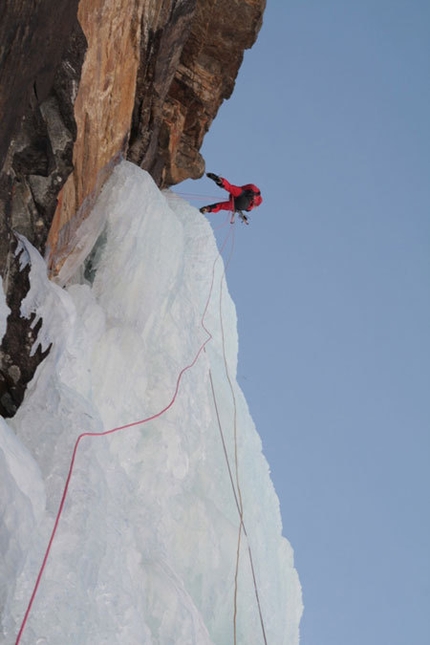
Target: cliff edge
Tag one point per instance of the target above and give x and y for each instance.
(82, 85)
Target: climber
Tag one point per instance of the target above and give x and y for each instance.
(242, 198)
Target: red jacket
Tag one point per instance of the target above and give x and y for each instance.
(238, 192)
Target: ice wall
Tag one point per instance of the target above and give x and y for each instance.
(149, 547)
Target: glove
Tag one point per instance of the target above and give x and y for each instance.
(214, 178)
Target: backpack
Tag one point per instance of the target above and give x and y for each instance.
(243, 202)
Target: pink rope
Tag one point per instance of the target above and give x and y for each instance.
(112, 431)
(194, 196)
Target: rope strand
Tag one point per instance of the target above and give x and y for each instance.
(237, 493)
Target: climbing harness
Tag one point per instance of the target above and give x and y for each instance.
(243, 218)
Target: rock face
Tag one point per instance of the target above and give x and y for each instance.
(83, 84)
(42, 48)
(41, 52)
(154, 77)
(207, 40)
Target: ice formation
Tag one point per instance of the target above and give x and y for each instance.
(149, 546)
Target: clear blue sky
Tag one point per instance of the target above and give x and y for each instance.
(331, 118)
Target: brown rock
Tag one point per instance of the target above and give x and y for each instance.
(103, 109)
(33, 36)
(169, 127)
(41, 52)
(153, 80)
(18, 361)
